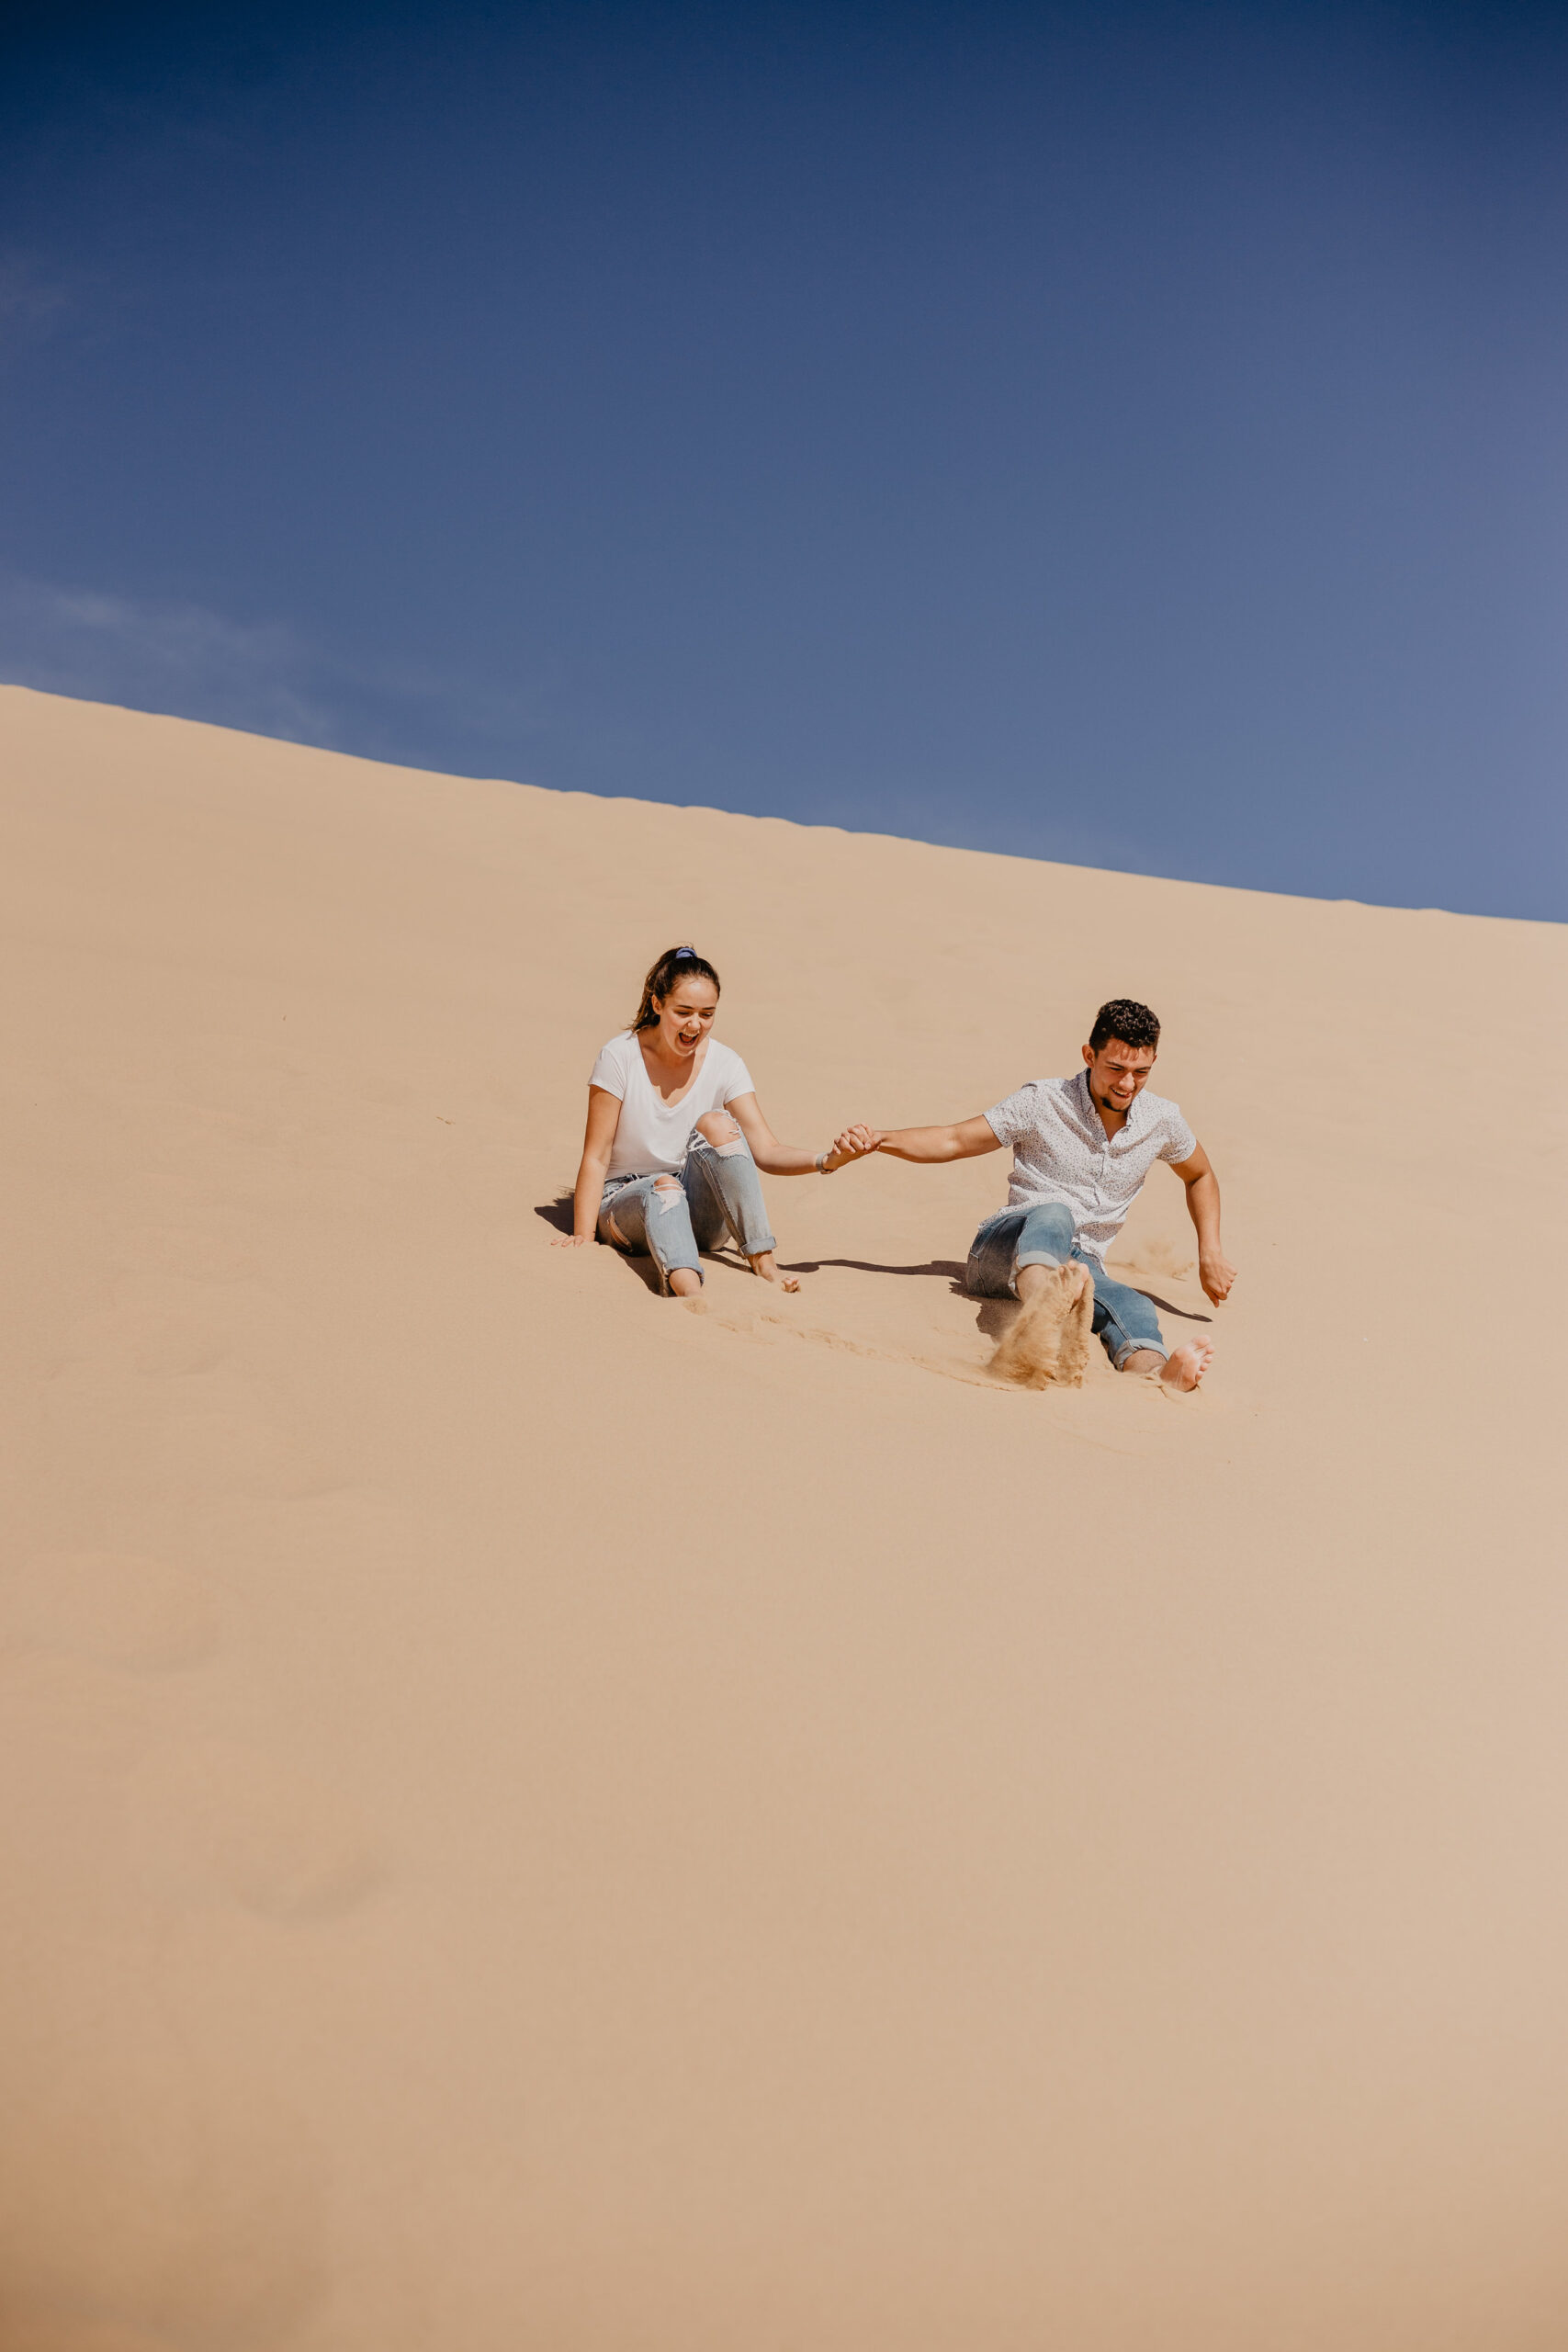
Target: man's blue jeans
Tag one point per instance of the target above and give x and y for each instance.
(1044, 1236)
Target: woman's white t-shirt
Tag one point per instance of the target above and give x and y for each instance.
(651, 1136)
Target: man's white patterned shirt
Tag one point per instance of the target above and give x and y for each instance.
(1061, 1153)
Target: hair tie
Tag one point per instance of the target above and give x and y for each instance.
(681, 952)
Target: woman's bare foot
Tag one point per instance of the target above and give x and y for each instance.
(1186, 1367)
(765, 1264)
(685, 1282)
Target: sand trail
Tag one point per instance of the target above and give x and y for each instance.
(1046, 1344)
(534, 1819)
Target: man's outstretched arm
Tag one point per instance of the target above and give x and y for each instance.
(1214, 1270)
(964, 1141)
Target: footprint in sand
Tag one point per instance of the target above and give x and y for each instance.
(208, 1820)
(118, 1607)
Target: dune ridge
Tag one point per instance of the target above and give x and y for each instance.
(534, 1819)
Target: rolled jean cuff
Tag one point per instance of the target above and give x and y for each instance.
(1037, 1255)
(1116, 1323)
(642, 1221)
(1138, 1348)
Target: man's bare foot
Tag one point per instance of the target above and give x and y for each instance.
(1047, 1344)
(766, 1265)
(1186, 1367)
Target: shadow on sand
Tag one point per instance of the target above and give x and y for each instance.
(559, 1214)
(1167, 1305)
(995, 1314)
(939, 1266)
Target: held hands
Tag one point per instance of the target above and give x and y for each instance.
(1216, 1274)
(855, 1143)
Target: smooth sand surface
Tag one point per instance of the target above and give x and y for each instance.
(535, 1821)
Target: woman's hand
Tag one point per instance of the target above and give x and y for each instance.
(855, 1143)
(572, 1240)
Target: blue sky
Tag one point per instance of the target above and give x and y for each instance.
(1131, 434)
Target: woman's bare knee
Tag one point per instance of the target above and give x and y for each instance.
(719, 1129)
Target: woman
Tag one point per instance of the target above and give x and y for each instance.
(676, 1135)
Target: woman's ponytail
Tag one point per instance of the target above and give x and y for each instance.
(675, 964)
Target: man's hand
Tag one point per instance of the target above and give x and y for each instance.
(854, 1143)
(1215, 1268)
(1216, 1274)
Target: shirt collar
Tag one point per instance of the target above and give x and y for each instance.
(1134, 1120)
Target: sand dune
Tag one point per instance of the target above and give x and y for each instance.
(532, 1819)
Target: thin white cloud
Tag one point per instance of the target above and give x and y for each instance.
(32, 304)
(192, 663)
(159, 656)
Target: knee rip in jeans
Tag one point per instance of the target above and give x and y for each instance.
(719, 1129)
(666, 1192)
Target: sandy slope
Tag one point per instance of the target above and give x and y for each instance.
(537, 1823)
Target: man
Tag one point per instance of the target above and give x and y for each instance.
(1081, 1149)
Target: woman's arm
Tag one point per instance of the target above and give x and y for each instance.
(775, 1158)
(965, 1140)
(598, 1142)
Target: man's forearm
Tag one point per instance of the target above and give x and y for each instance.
(927, 1145)
(1203, 1208)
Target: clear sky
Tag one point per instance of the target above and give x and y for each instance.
(1132, 434)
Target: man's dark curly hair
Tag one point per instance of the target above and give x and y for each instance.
(1135, 1025)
